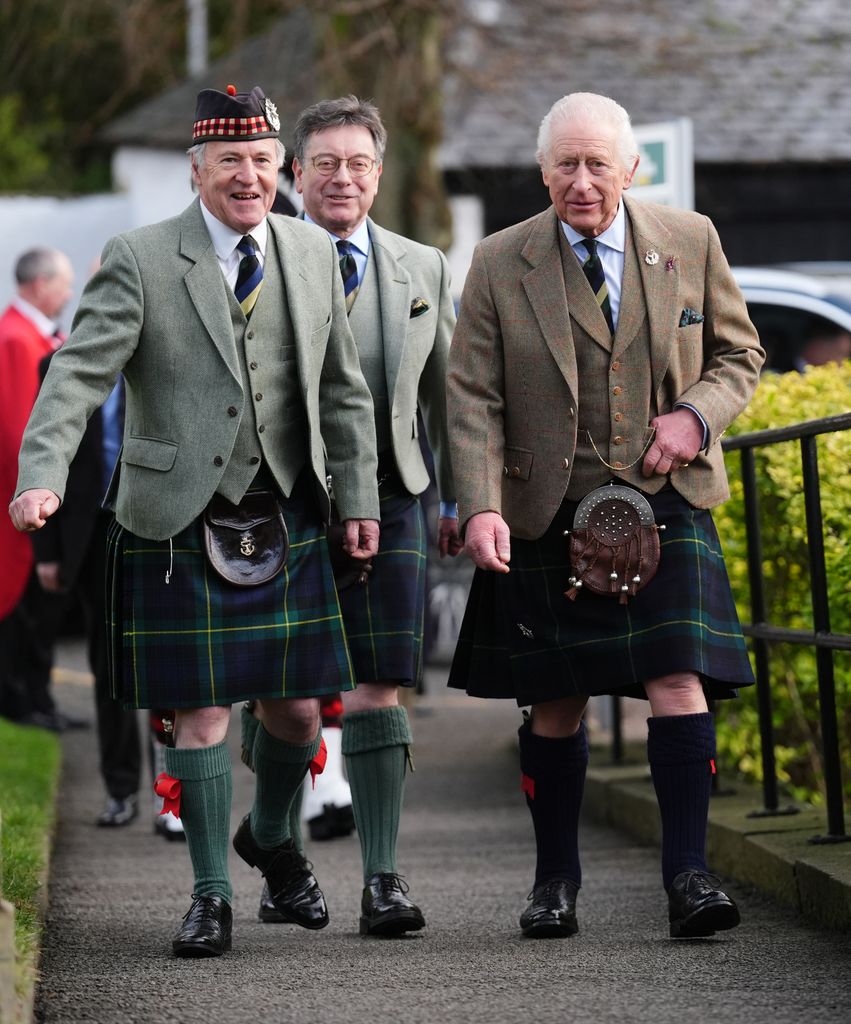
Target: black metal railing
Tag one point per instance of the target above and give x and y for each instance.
(762, 632)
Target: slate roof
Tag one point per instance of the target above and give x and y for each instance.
(762, 82)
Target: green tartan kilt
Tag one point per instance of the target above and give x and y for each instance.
(198, 641)
(521, 638)
(384, 617)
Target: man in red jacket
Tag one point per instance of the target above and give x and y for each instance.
(28, 331)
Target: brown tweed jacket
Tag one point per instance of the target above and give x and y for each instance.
(513, 391)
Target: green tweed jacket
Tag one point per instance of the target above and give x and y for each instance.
(158, 311)
(513, 389)
(416, 349)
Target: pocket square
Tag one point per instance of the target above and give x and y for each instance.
(418, 307)
(690, 316)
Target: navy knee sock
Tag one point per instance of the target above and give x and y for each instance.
(553, 779)
(681, 752)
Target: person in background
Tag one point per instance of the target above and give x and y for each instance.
(232, 424)
(602, 349)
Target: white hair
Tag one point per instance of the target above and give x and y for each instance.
(589, 107)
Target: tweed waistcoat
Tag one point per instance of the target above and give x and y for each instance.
(267, 337)
(365, 322)
(615, 404)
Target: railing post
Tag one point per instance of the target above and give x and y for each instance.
(824, 656)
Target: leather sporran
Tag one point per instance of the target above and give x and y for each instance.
(614, 543)
(246, 544)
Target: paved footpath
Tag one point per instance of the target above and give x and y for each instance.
(466, 849)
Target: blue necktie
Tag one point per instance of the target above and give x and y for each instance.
(593, 268)
(348, 272)
(250, 276)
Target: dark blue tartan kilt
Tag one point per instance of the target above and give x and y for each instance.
(198, 641)
(521, 638)
(384, 617)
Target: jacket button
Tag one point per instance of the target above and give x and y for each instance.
(218, 460)
(616, 365)
(618, 465)
(250, 335)
(253, 460)
(515, 471)
(618, 417)
(505, 470)
(618, 440)
(617, 390)
(252, 366)
(259, 396)
(261, 428)
(566, 464)
(231, 410)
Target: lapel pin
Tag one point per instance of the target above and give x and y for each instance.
(651, 258)
(669, 263)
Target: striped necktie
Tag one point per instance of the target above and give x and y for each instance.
(250, 276)
(593, 268)
(348, 272)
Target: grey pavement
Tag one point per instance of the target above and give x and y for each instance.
(466, 848)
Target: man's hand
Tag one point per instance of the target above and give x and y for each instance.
(31, 509)
(50, 576)
(679, 435)
(361, 538)
(488, 541)
(448, 539)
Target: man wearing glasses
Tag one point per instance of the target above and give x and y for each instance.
(402, 317)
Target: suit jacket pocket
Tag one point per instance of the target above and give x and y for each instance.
(320, 335)
(149, 453)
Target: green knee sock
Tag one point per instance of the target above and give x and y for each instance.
(280, 769)
(375, 745)
(206, 786)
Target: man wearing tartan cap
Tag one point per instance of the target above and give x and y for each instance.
(230, 328)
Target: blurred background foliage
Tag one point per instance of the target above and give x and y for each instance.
(782, 400)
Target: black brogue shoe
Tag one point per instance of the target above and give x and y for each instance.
(386, 909)
(268, 913)
(697, 907)
(551, 913)
(292, 887)
(206, 928)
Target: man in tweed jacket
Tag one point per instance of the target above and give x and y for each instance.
(602, 341)
(241, 374)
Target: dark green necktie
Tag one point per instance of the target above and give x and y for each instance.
(593, 268)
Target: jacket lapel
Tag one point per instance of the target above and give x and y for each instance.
(544, 287)
(394, 288)
(659, 271)
(206, 286)
(297, 286)
(633, 309)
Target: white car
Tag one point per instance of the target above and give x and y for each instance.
(788, 308)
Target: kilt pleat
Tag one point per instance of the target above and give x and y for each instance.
(198, 641)
(384, 617)
(521, 638)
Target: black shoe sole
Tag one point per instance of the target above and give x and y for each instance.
(707, 921)
(199, 951)
(392, 923)
(551, 930)
(271, 915)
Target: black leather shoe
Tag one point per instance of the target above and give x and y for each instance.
(118, 811)
(386, 909)
(552, 911)
(697, 907)
(333, 823)
(293, 890)
(206, 928)
(268, 913)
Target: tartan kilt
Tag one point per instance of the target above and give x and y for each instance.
(521, 638)
(199, 641)
(384, 617)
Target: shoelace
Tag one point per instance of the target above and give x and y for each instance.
(291, 863)
(389, 882)
(702, 881)
(547, 887)
(202, 906)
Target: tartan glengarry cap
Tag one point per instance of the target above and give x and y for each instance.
(232, 115)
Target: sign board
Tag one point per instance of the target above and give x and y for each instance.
(666, 170)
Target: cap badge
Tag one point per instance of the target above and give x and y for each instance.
(272, 115)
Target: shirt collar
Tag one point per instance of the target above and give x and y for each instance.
(614, 236)
(45, 325)
(358, 239)
(225, 239)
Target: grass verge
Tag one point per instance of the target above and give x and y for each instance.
(29, 776)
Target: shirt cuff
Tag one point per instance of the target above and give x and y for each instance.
(705, 441)
(448, 510)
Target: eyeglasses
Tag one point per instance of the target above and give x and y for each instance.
(359, 166)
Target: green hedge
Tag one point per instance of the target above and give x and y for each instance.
(783, 400)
